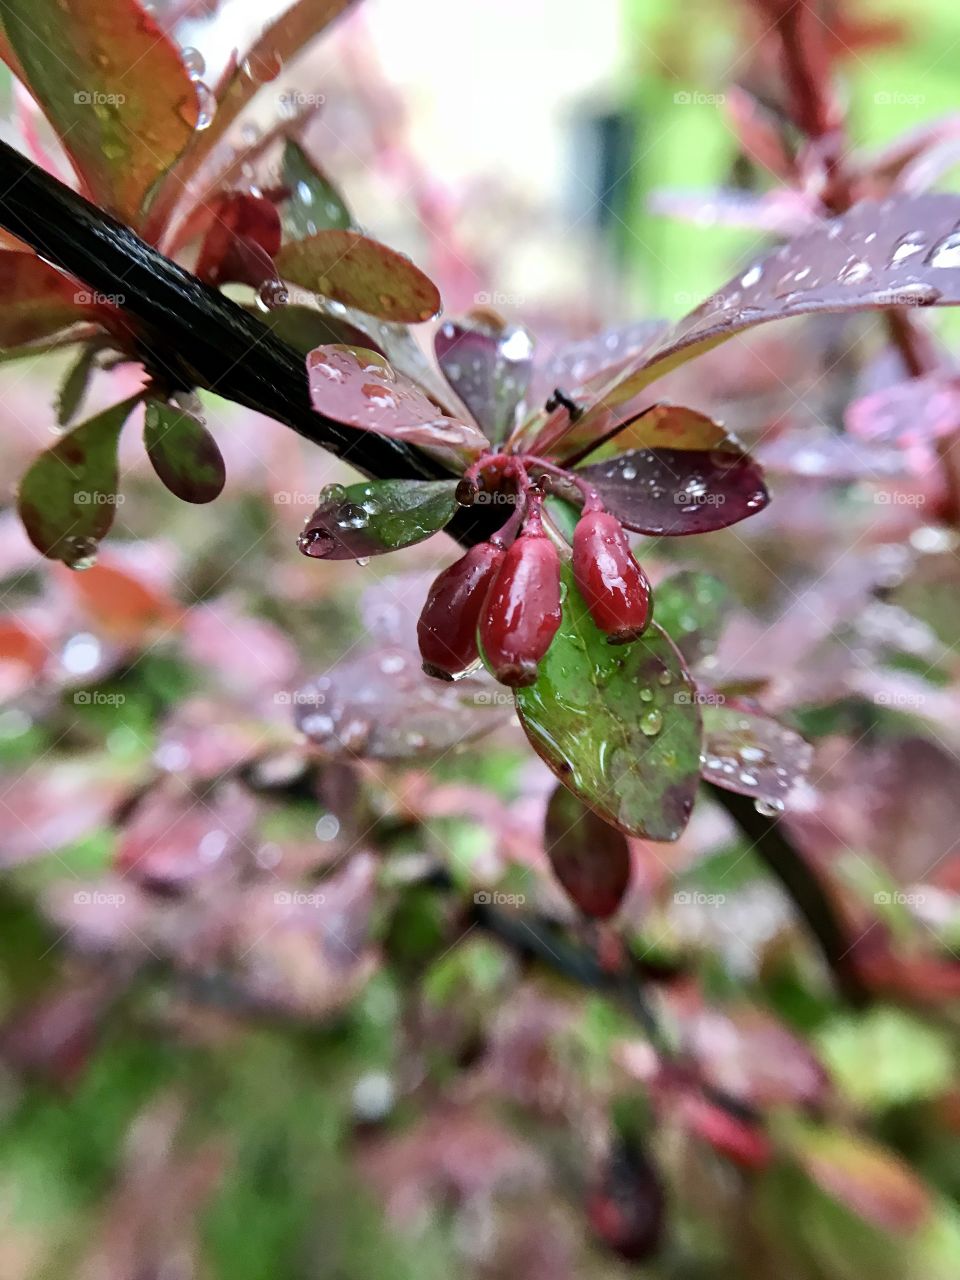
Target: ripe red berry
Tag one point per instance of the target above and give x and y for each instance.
(447, 630)
(611, 582)
(522, 612)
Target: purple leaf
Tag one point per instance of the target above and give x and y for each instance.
(489, 369)
(783, 213)
(909, 413)
(381, 706)
(747, 751)
(360, 389)
(901, 252)
(589, 857)
(671, 492)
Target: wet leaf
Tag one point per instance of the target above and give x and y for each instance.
(183, 452)
(589, 857)
(750, 752)
(177, 835)
(672, 492)
(381, 515)
(123, 606)
(737, 1139)
(908, 413)
(361, 390)
(241, 241)
(306, 329)
(381, 706)
(68, 496)
(903, 251)
(871, 1181)
(286, 37)
(489, 367)
(114, 88)
(359, 272)
(74, 385)
(35, 300)
(748, 1055)
(314, 203)
(692, 607)
(619, 725)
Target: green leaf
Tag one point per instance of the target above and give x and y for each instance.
(618, 724)
(68, 496)
(381, 515)
(112, 85)
(886, 1057)
(184, 454)
(35, 300)
(692, 608)
(305, 329)
(73, 388)
(314, 204)
(358, 272)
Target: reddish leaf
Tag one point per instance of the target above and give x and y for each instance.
(760, 133)
(381, 705)
(781, 213)
(489, 366)
(35, 300)
(908, 413)
(360, 389)
(749, 752)
(738, 1140)
(50, 806)
(177, 835)
(590, 858)
(359, 272)
(872, 1182)
(750, 1056)
(243, 238)
(672, 492)
(122, 605)
(113, 86)
(904, 252)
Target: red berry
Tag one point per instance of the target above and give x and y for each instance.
(447, 630)
(522, 611)
(611, 582)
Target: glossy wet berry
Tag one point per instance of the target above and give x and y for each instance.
(522, 612)
(626, 1205)
(447, 630)
(608, 577)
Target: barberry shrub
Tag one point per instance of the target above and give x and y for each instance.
(542, 466)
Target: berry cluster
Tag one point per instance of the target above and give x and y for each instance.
(504, 595)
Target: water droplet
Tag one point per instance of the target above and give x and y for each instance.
(363, 561)
(272, 294)
(664, 678)
(262, 65)
(193, 62)
(912, 243)
(206, 107)
(854, 272)
(350, 516)
(946, 253)
(767, 807)
(751, 277)
(332, 493)
(81, 553)
(315, 543)
(629, 471)
(651, 723)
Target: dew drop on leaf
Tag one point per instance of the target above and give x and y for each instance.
(651, 723)
(768, 808)
(946, 253)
